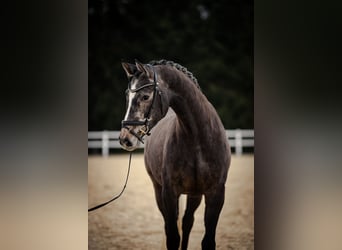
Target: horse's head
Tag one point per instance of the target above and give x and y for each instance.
(146, 104)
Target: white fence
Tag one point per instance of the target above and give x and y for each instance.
(238, 139)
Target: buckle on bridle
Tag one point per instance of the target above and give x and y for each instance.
(137, 135)
(145, 130)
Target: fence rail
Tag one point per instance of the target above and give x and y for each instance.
(105, 140)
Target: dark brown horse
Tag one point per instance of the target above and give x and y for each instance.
(187, 152)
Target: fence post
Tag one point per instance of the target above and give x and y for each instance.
(238, 142)
(105, 144)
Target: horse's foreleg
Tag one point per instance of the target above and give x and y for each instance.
(170, 201)
(192, 204)
(159, 200)
(158, 196)
(213, 206)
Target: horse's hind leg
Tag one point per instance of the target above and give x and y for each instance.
(192, 204)
(213, 206)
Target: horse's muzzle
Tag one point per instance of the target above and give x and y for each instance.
(127, 140)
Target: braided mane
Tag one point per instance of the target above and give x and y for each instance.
(178, 67)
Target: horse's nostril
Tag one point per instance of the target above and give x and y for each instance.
(128, 143)
(125, 141)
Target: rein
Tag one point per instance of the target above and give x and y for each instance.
(123, 189)
(145, 130)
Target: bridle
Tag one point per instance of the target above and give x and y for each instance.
(145, 130)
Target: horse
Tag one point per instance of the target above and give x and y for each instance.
(186, 151)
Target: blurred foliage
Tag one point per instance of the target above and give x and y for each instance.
(213, 39)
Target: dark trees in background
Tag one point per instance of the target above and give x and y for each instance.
(213, 39)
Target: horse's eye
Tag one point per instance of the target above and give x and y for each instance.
(145, 97)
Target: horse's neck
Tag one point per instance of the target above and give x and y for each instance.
(196, 116)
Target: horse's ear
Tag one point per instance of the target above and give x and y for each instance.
(129, 68)
(143, 68)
